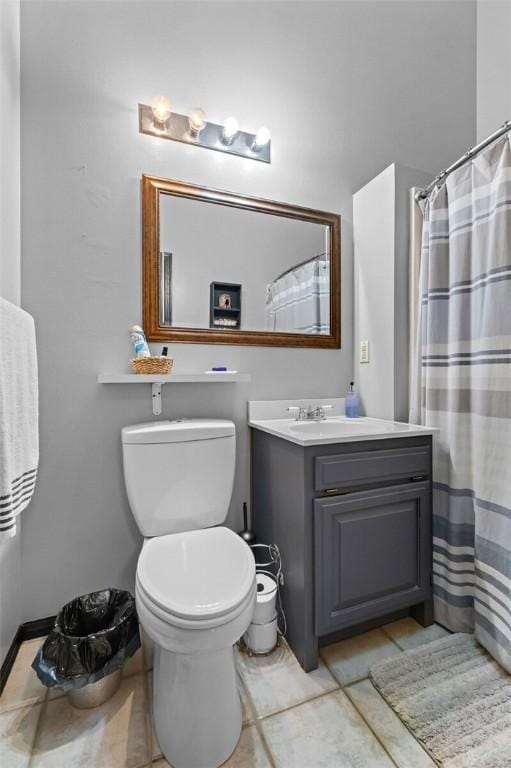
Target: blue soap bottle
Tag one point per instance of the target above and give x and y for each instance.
(352, 403)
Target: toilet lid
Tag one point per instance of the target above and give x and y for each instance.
(197, 574)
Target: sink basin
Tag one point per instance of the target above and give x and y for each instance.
(273, 417)
(331, 427)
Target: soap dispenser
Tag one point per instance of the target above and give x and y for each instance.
(352, 402)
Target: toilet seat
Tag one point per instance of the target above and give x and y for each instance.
(171, 625)
(200, 578)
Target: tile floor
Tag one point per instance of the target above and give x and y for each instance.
(330, 718)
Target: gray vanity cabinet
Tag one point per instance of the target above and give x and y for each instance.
(353, 525)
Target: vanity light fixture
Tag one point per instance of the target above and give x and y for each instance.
(231, 129)
(159, 120)
(197, 122)
(161, 110)
(262, 138)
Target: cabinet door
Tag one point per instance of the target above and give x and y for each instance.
(372, 554)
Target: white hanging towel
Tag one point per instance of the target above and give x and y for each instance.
(19, 414)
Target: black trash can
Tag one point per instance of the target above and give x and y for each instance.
(84, 653)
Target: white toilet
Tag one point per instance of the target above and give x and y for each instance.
(195, 584)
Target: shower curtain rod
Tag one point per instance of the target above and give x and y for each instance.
(423, 193)
(301, 264)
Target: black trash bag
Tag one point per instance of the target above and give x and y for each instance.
(93, 635)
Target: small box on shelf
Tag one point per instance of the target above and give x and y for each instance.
(225, 305)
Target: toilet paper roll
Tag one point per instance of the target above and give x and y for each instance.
(261, 638)
(266, 599)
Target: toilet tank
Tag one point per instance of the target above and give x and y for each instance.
(179, 474)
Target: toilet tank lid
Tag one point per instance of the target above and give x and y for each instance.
(178, 431)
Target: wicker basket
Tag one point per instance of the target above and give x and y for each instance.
(152, 365)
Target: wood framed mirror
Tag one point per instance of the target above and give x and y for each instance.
(223, 268)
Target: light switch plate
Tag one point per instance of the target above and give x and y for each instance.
(364, 351)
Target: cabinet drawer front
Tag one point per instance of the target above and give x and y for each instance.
(372, 554)
(361, 467)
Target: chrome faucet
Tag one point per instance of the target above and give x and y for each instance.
(318, 413)
(310, 413)
(301, 413)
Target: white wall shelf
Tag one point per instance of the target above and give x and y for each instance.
(171, 378)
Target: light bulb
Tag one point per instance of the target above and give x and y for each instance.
(262, 138)
(230, 131)
(196, 121)
(161, 109)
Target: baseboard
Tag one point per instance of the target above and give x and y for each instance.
(10, 657)
(27, 631)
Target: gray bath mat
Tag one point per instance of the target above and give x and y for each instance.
(454, 699)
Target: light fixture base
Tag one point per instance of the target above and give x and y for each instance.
(177, 128)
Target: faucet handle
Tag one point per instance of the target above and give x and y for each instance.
(295, 410)
(318, 413)
(300, 413)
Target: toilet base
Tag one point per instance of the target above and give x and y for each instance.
(196, 707)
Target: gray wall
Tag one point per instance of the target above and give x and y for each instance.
(381, 243)
(346, 89)
(211, 243)
(405, 179)
(381, 236)
(374, 252)
(10, 150)
(10, 550)
(493, 65)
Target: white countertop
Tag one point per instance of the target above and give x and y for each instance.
(338, 430)
(334, 429)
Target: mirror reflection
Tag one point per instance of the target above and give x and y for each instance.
(231, 269)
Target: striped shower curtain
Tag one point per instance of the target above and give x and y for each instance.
(299, 300)
(462, 385)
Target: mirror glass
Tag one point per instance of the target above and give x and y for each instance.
(230, 269)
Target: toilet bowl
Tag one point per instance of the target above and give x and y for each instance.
(194, 622)
(195, 586)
